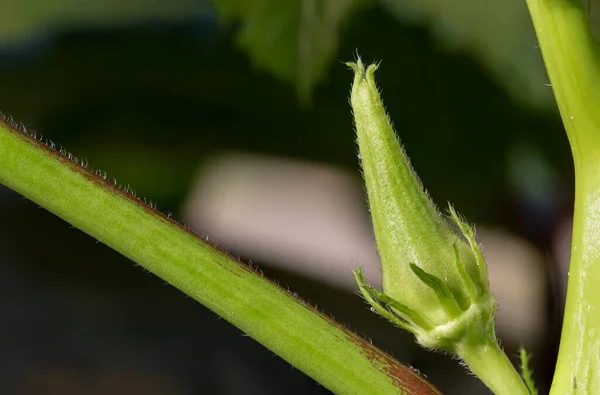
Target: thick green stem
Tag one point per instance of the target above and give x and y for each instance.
(313, 343)
(491, 365)
(572, 57)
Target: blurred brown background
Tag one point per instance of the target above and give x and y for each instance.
(233, 116)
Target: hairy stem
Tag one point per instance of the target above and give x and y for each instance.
(488, 362)
(338, 359)
(572, 57)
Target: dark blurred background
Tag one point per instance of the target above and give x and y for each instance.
(233, 116)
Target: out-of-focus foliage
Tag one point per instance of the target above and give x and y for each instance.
(497, 32)
(296, 40)
(24, 19)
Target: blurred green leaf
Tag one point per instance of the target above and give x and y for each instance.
(498, 33)
(296, 40)
(22, 19)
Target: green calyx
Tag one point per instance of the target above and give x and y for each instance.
(433, 271)
(435, 281)
(473, 322)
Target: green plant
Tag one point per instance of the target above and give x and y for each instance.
(566, 32)
(323, 349)
(434, 278)
(332, 355)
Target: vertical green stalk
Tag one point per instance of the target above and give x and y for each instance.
(572, 57)
(312, 342)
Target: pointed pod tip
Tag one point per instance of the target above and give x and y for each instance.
(360, 71)
(357, 66)
(371, 71)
